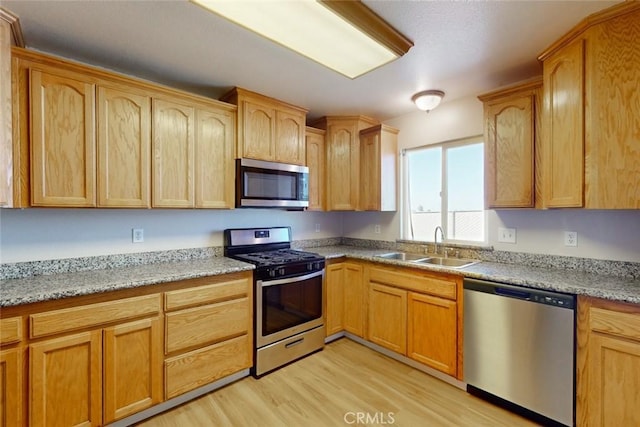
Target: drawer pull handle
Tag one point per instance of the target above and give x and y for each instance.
(296, 342)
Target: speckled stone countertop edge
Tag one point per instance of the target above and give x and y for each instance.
(566, 281)
(14, 292)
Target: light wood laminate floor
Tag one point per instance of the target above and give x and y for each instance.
(330, 388)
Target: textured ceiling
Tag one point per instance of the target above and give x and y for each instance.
(463, 48)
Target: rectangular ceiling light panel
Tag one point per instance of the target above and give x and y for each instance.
(310, 29)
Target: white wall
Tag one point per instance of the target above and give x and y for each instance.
(613, 235)
(37, 234)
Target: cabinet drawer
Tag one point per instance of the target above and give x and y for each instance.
(206, 324)
(206, 294)
(10, 330)
(200, 367)
(443, 287)
(615, 323)
(69, 319)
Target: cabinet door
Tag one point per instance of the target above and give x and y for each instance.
(388, 317)
(289, 142)
(11, 387)
(315, 153)
(173, 143)
(563, 165)
(370, 179)
(343, 167)
(132, 368)
(124, 142)
(354, 301)
(6, 146)
(62, 139)
(258, 131)
(614, 381)
(66, 381)
(432, 332)
(334, 278)
(215, 140)
(509, 179)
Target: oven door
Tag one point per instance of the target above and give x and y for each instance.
(286, 307)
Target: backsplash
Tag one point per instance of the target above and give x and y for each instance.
(37, 268)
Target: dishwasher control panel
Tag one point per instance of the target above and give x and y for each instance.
(560, 301)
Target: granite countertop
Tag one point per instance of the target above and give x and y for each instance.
(561, 280)
(56, 286)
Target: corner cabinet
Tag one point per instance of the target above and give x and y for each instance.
(345, 298)
(378, 168)
(268, 129)
(591, 113)
(316, 159)
(512, 149)
(608, 363)
(343, 159)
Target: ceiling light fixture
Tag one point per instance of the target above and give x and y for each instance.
(427, 100)
(345, 36)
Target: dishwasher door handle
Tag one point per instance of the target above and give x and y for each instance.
(505, 292)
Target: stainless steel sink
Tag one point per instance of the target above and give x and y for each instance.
(403, 256)
(447, 262)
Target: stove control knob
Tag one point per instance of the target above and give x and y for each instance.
(310, 266)
(272, 273)
(281, 271)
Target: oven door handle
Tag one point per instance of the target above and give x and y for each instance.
(265, 283)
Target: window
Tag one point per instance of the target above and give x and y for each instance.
(444, 186)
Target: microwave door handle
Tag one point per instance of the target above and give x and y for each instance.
(266, 283)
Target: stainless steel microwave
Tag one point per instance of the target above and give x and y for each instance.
(261, 184)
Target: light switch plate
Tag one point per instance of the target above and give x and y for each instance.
(137, 235)
(506, 235)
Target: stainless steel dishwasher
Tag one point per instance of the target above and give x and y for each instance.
(519, 347)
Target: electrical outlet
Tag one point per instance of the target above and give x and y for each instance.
(506, 235)
(570, 238)
(137, 235)
(376, 228)
(317, 228)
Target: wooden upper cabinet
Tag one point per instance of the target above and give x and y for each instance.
(173, 154)
(343, 159)
(268, 129)
(215, 146)
(258, 131)
(62, 139)
(6, 137)
(316, 163)
(124, 144)
(378, 168)
(511, 120)
(290, 141)
(612, 145)
(564, 126)
(592, 113)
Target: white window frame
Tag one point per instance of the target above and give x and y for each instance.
(404, 202)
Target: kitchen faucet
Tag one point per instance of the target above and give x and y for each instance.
(435, 240)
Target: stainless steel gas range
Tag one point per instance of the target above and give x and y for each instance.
(288, 305)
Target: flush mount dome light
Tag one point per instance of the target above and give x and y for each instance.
(345, 36)
(427, 100)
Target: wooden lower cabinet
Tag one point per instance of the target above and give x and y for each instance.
(66, 381)
(345, 298)
(431, 323)
(11, 387)
(132, 368)
(388, 317)
(208, 333)
(608, 363)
